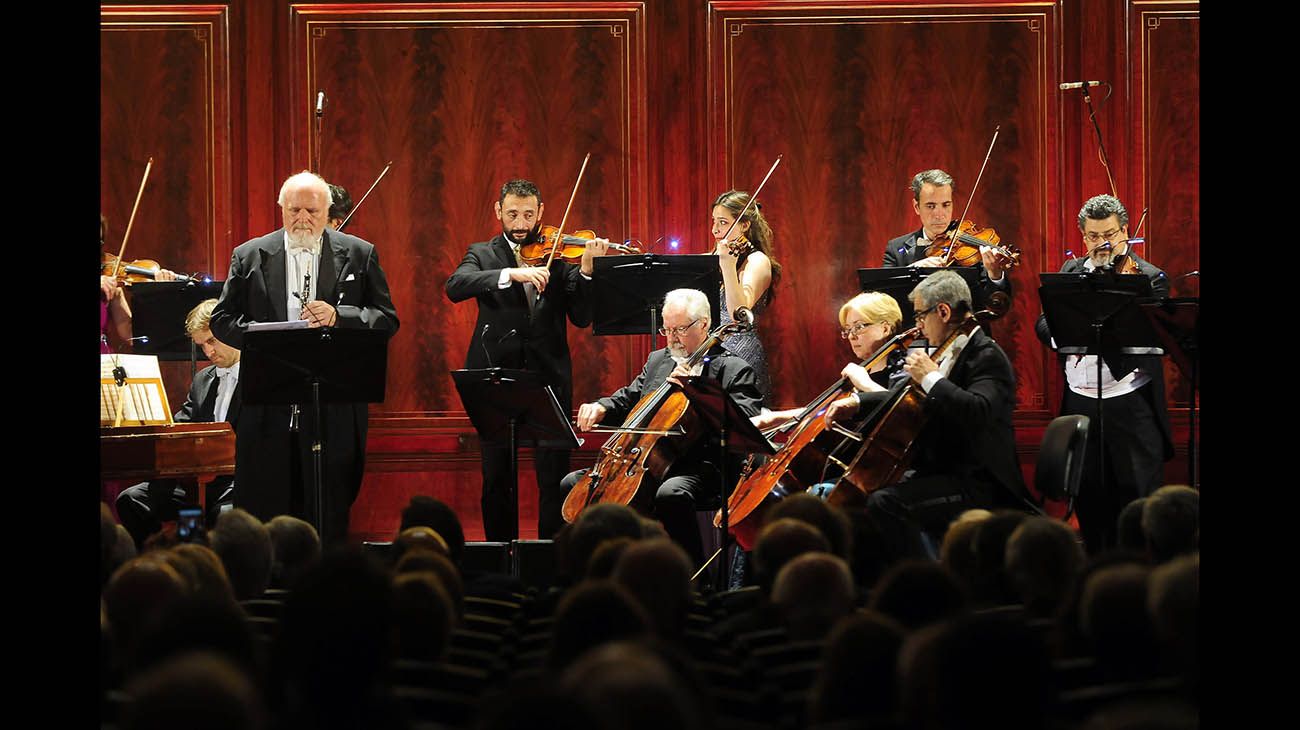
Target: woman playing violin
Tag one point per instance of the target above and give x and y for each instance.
(749, 274)
(114, 310)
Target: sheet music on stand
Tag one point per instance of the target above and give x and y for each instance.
(141, 399)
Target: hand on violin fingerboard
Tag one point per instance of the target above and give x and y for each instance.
(535, 275)
(992, 262)
(165, 275)
(594, 247)
(319, 314)
(725, 256)
(109, 288)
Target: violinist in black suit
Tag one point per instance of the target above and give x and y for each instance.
(932, 202)
(1138, 441)
(303, 271)
(965, 453)
(694, 474)
(213, 397)
(518, 329)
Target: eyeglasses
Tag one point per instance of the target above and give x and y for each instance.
(1094, 237)
(679, 331)
(917, 317)
(855, 330)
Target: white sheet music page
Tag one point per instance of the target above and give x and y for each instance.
(143, 397)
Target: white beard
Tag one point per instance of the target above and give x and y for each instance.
(301, 239)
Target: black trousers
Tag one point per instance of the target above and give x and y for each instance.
(501, 511)
(1134, 463)
(145, 506)
(675, 501)
(923, 504)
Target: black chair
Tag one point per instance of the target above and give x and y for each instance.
(1060, 460)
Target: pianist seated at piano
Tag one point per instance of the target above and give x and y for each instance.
(213, 396)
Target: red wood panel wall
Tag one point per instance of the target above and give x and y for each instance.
(676, 101)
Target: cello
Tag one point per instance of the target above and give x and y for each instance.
(659, 428)
(808, 452)
(886, 453)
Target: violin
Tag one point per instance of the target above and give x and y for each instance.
(807, 454)
(965, 249)
(639, 446)
(740, 246)
(568, 248)
(129, 272)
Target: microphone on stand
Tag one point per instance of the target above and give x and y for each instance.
(1080, 84)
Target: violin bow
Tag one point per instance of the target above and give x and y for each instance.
(559, 233)
(952, 245)
(363, 197)
(752, 198)
(131, 221)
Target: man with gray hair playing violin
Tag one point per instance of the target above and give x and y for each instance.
(1132, 388)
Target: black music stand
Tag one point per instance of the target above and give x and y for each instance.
(899, 281)
(628, 291)
(1178, 325)
(517, 408)
(736, 433)
(316, 365)
(158, 313)
(1097, 313)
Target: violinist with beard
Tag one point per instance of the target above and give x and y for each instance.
(517, 329)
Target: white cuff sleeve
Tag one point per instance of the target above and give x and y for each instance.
(930, 379)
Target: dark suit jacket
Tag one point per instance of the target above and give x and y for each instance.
(200, 406)
(736, 376)
(540, 339)
(968, 432)
(902, 251)
(1154, 393)
(349, 276)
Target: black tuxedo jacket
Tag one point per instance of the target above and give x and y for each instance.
(350, 277)
(902, 251)
(1154, 392)
(968, 432)
(536, 340)
(200, 407)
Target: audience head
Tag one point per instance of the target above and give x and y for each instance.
(917, 593)
(857, 680)
(207, 571)
(592, 613)
(1043, 560)
(429, 561)
(657, 573)
(424, 614)
(417, 538)
(1113, 618)
(813, 591)
(434, 513)
(296, 547)
(957, 551)
(1173, 601)
(594, 525)
(199, 691)
(991, 586)
(139, 591)
(829, 520)
(1171, 521)
(626, 685)
(244, 546)
(779, 542)
(966, 672)
(1129, 526)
